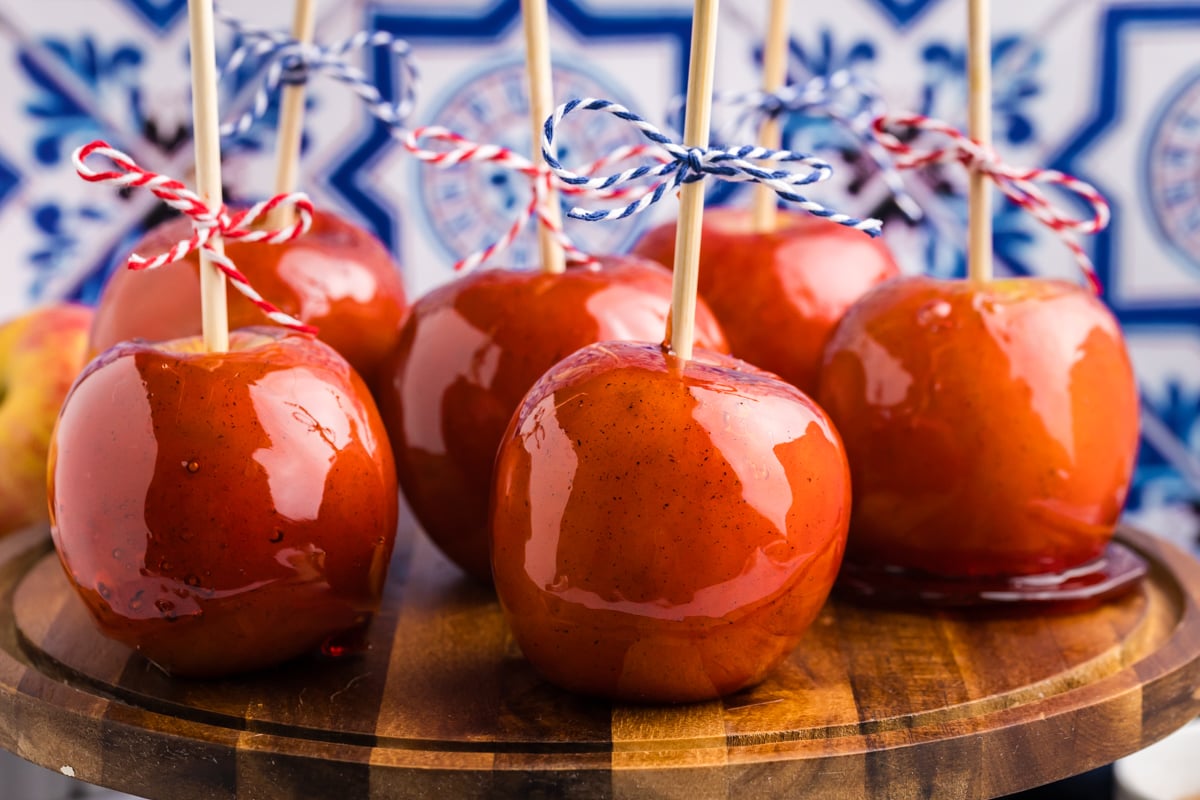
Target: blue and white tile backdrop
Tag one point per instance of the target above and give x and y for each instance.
(1108, 91)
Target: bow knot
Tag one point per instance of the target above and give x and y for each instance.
(208, 222)
(693, 163)
(681, 164)
(1021, 185)
(292, 62)
(294, 68)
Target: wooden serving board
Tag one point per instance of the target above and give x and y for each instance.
(874, 703)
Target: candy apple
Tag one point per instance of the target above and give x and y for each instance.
(223, 512)
(337, 277)
(991, 427)
(778, 295)
(467, 354)
(41, 352)
(665, 531)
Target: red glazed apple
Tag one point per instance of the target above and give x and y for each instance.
(223, 512)
(470, 350)
(41, 352)
(778, 295)
(991, 427)
(665, 531)
(337, 277)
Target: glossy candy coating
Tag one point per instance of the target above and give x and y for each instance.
(467, 354)
(223, 512)
(665, 531)
(992, 429)
(778, 295)
(337, 277)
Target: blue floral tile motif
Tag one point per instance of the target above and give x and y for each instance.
(826, 58)
(162, 14)
(67, 116)
(1015, 83)
(59, 245)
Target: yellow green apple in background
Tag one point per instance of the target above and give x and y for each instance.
(41, 352)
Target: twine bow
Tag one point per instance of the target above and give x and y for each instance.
(848, 99)
(541, 179)
(290, 61)
(1021, 185)
(207, 222)
(691, 164)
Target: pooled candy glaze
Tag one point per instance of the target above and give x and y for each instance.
(470, 350)
(337, 277)
(223, 512)
(991, 429)
(778, 295)
(665, 531)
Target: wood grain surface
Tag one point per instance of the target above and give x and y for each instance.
(874, 703)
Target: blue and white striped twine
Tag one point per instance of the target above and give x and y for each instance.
(848, 99)
(290, 61)
(691, 164)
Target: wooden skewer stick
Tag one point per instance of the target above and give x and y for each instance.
(214, 312)
(765, 212)
(681, 325)
(291, 122)
(979, 128)
(541, 105)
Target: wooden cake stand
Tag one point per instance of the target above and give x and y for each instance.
(874, 703)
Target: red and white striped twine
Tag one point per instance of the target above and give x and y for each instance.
(207, 222)
(541, 180)
(1019, 184)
